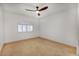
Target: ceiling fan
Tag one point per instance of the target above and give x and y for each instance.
(38, 10)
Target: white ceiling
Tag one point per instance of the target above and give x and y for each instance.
(52, 8)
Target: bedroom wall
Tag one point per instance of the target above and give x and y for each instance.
(78, 29)
(60, 26)
(1, 26)
(12, 19)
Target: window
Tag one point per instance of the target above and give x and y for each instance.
(25, 28)
(20, 28)
(29, 28)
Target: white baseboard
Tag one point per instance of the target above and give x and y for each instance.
(54, 39)
(20, 39)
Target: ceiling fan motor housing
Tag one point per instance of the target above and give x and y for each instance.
(37, 7)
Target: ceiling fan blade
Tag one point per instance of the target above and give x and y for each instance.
(44, 8)
(30, 10)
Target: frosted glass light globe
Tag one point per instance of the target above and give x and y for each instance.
(37, 12)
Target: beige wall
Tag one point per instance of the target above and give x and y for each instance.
(11, 22)
(61, 26)
(1, 27)
(78, 29)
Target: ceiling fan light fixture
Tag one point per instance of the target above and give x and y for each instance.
(37, 12)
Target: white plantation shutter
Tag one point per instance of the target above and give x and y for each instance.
(25, 28)
(29, 28)
(19, 28)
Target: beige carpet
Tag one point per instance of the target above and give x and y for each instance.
(37, 47)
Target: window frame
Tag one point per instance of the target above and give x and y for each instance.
(26, 28)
